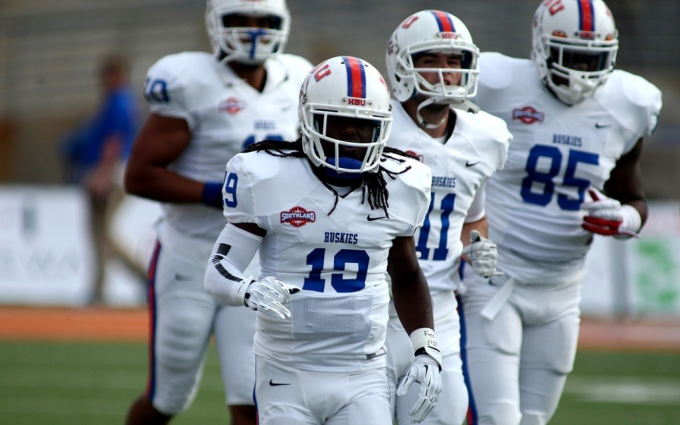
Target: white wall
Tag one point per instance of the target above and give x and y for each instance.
(46, 255)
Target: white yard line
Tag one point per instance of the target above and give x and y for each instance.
(656, 391)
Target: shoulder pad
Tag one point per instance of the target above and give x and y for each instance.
(496, 70)
(410, 191)
(635, 100)
(177, 82)
(494, 143)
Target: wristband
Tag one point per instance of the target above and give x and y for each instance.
(424, 342)
(212, 194)
(631, 222)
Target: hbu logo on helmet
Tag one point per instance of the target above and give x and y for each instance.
(298, 217)
(448, 35)
(356, 101)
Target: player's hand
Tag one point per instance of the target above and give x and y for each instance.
(268, 296)
(605, 216)
(425, 371)
(483, 255)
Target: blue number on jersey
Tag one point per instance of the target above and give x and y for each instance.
(251, 139)
(544, 197)
(156, 91)
(441, 251)
(352, 256)
(230, 182)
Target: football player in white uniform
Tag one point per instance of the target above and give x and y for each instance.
(330, 214)
(578, 126)
(204, 110)
(432, 67)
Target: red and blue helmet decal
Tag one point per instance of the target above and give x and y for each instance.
(444, 20)
(356, 77)
(586, 12)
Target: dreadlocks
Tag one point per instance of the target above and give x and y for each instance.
(374, 187)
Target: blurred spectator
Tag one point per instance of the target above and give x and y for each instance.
(95, 152)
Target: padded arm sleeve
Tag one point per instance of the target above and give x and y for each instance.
(231, 255)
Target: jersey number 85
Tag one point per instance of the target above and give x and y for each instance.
(554, 155)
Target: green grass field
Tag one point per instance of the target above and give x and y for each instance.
(89, 383)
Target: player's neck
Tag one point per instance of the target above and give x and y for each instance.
(329, 180)
(435, 113)
(254, 75)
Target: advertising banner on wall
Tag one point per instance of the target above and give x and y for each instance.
(46, 249)
(654, 263)
(45, 246)
(636, 277)
(46, 255)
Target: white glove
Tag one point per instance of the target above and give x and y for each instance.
(425, 371)
(606, 216)
(268, 295)
(483, 255)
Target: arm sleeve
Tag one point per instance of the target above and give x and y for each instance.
(421, 176)
(653, 112)
(164, 89)
(238, 192)
(233, 251)
(641, 108)
(476, 210)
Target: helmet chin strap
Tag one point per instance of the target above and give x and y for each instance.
(421, 122)
(347, 163)
(465, 105)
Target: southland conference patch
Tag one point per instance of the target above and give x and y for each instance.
(298, 217)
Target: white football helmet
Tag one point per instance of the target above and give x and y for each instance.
(574, 47)
(344, 86)
(245, 44)
(431, 31)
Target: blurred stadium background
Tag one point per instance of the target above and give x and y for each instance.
(49, 52)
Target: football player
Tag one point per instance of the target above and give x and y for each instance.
(205, 108)
(573, 172)
(330, 213)
(433, 71)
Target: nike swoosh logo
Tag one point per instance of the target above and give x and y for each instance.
(599, 125)
(275, 384)
(285, 108)
(181, 277)
(471, 164)
(369, 218)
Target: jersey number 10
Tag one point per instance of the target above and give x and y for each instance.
(316, 259)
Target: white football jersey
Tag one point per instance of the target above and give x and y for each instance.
(558, 152)
(338, 321)
(225, 114)
(477, 148)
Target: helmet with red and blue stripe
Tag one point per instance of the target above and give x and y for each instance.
(574, 47)
(437, 32)
(344, 87)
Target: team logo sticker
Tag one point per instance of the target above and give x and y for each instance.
(528, 115)
(231, 105)
(298, 217)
